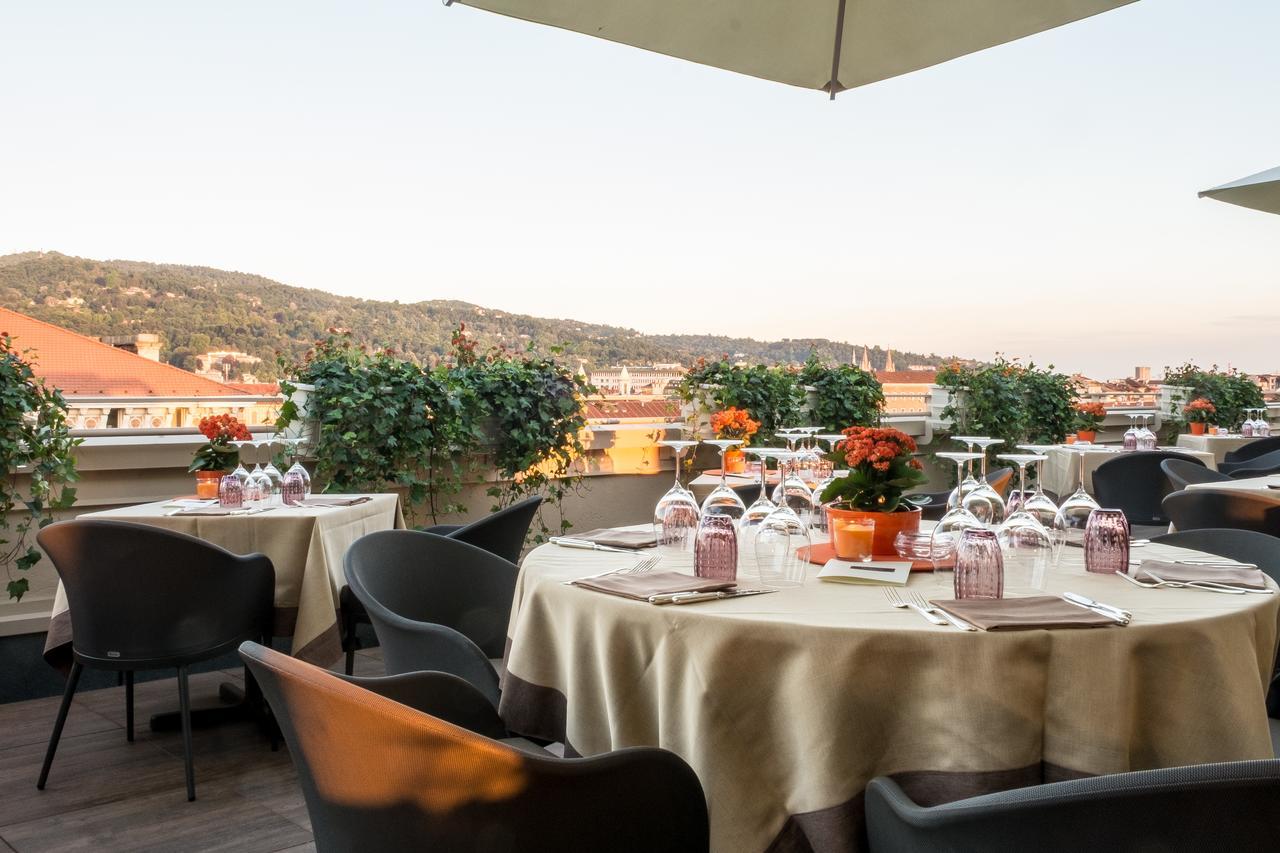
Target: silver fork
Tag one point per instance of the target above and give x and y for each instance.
(895, 600)
(931, 608)
(642, 567)
(1207, 586)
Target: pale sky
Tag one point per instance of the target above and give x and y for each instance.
(1038, 198)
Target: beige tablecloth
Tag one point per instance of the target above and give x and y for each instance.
(1268, 486)
(306, 547)
(1218, 445)
(787, 704)
(1063, 465)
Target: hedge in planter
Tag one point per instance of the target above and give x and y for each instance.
(1230, 392)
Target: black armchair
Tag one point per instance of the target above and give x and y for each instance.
(1194, 509)
(1182, 472)
(142, 597)
(1162, 810)
(435, 603)
(1136, 484)
(1258, 466)
(378, 775)
(502, 533)
(1252, 450)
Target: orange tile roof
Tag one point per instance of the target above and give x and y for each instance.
(257, 389)
(924, 377)
(81, 366)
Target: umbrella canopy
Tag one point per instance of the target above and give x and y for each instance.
(1260, 191)
(830, 45)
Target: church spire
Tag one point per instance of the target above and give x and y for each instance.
(866, 360)
(888, 362)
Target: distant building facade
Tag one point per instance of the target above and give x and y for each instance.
(654, 380)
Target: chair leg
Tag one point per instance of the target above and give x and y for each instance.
(349, 641)
(184, 703)
(128, 705)
(73, 678)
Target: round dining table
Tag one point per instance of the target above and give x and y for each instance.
(787, 704)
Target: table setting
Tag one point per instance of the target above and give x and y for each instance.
(981, 665)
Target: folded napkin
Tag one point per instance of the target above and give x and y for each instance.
(220, 510)
(1236, 576)
(334, 500)
(1013, 614)
(615, 538)
(642, 586)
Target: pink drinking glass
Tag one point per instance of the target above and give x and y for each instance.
(715, 551)
(979, 566)
(293, 489)
(1106, 542)
(230, 492)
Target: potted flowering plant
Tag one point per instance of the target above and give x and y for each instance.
(1198, 412)
(734, 423)
(216, 456)
(1089, 417)
(881, 470)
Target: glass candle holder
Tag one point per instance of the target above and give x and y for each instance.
(230, 492)
(853, 539)
(979, 565)
(715, 551)
(1106, 542)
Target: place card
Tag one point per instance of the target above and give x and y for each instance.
(893, 572)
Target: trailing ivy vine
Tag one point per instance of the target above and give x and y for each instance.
(845, 395)
(35, 445)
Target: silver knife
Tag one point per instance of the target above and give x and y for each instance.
(565, 542)
(1121, 616)
(694, 597)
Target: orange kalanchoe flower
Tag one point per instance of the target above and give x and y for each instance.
(220, 429)
(734, 423)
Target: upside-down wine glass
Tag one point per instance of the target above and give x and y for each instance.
(778, 542)
(1146, 438)
(966, 483)
(957, 518)
(792, 491)
(984, 502)
(1131, 434)
(723, 500)
(676, 515)
(1039, 504)
(277, 479)
(291, 449)
(241, 473)
(1022, 529)
(760, 509)
(1073, 514)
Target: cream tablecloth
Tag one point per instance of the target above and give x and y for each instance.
(1268, 486)
(787, 704)
(306, 547)
(1062, 467)
(1218, 445)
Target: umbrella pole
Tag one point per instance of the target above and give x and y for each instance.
(835, 53)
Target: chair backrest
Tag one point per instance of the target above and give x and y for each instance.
(139, 593)
(749, 494)
(1135, 483)
(1258, 466)
(438, 579)
(502, 532)
(1194, 509)
(1247, 546)
(378, 775)
(1146, 810)
(1181, 472)
(1253, 449)
(1000, 480)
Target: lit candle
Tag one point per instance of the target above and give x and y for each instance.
(854, 539)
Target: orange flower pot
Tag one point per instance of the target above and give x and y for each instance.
(888, 525)
(207, 483)
(1197, 428)
(735, 461)
(1086, 435)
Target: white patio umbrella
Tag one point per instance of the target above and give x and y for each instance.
(1260, 191)
(831, 45)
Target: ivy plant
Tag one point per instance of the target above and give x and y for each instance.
(1230, 391)
(846, 395)
(35, 445)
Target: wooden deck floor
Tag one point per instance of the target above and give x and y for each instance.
(106, 794)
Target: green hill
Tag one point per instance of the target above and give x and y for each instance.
(196, 309)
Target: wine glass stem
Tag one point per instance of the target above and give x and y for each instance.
(724, 482)
(1022, 480)
(679, 451)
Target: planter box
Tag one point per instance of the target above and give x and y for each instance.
(1169, 403)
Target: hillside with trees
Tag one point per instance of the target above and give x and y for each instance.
(196, 309)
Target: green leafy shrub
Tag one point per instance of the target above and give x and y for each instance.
(1006, 400)
(1230, 392)
(846, 395)
(34, 441)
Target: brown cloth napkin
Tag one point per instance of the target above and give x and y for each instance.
(620, 538)
(1251, 578)
(335, 500)
(640, 587)
(1014, 614)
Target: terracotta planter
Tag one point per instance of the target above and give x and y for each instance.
(1197, 428)
(888, 525)
(1086, 435)
(735, 461)
(207, 483)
